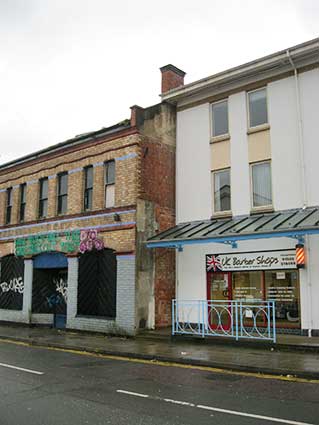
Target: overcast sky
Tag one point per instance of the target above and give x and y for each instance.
(72, 66)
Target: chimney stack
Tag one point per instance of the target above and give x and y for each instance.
(172, 77)
(137, 115)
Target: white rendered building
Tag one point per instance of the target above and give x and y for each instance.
(247, 174)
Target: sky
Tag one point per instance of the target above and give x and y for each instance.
(72, 66)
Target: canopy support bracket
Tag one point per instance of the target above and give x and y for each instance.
(300, 238)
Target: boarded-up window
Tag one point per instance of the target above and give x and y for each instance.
(11, 283)
(97, 284)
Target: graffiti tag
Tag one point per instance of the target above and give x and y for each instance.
(62, 288)
(54, 299)
(89, 241)
(16, 285)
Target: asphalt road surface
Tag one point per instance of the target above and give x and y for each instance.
(47, 387)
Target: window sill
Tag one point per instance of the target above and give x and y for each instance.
(221, 138)
(258, 128)
(258, 210)
(222, 214)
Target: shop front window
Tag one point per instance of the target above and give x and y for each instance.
(282, 286)
(247, 286)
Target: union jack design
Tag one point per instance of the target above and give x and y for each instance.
(213, 263)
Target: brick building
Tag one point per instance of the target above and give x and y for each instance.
(73, 221)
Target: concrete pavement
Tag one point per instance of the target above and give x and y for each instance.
(264, 359)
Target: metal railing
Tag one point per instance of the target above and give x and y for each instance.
(233, 319)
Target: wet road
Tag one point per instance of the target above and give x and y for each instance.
(48, 387)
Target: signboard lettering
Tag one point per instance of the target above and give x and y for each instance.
(272, 260)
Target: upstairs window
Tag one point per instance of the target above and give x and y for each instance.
(62, 193)
(43, 198)
(220, 118)
(261, 184)
(222, 190)
(9, 205)
(88, 187)
(23, 198)
(109, 184)
(258, 114)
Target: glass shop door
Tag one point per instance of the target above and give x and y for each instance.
(219, 294)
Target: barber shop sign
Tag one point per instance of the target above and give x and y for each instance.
(267, 260)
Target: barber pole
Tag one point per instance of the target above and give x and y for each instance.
(300, 256)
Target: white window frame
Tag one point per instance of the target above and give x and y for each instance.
(259, 126)
(262, 207)
(220, 136)
(213, 172)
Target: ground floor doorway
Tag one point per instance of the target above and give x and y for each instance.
(49, 288)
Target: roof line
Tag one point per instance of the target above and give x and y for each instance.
(232, 73)
(77, 140)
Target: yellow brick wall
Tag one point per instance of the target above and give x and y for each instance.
(70, 161)
(2, 207)
(126, 191)
(98, 188)
(32, 199)
(75, 192)
(15, 205)
(52, 196)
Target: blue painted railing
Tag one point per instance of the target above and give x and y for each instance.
(236, 319)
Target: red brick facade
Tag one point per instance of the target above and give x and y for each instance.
(158, 185)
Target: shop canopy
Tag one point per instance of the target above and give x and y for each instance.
(288, 223)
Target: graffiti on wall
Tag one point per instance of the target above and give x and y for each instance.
(35, 244)
(90, 241)
(69, 241)
(16, 285)
(11, 283)
(61, 287)
(60, 296)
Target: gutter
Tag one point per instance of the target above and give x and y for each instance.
(275, 63)
(228, 240)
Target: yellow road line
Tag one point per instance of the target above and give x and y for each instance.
(97, 354)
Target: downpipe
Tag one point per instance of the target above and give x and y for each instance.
(303, 182)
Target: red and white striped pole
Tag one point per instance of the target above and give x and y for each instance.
(300, 256)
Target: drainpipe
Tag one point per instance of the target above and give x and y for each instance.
(308, 271)
(303, 183)
(300, 134)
